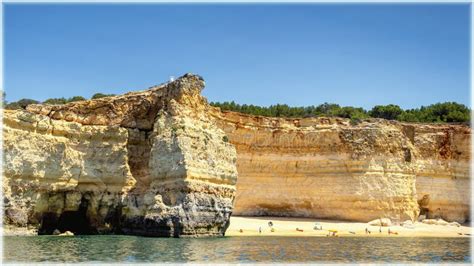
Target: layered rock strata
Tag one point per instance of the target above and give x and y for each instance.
(162, 162)
(147, 163)
(330, 168)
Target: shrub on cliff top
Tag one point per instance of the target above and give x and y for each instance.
(446, 112)
(64, 100)
(101, 95)
(21, 104)
(440, 112)
(76, 99)
(389, 112)
(55, 101)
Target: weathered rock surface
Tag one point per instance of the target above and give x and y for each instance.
(329, 168)
(381, 222)
(148, 163)
(162, 162)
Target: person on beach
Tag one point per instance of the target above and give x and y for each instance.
(366, 231)
(380, 229)
(260, 229)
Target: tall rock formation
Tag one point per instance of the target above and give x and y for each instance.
(147, 163)
(330, 168)
(162, 162)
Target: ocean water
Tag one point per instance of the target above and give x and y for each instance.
(114, 248)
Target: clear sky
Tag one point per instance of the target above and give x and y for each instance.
(306, 54)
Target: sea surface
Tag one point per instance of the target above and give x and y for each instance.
(114, 248)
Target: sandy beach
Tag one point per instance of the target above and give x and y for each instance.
(287, 227)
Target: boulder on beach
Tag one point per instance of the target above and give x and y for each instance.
(435, 221)
(381, 222)
(441, 222)
(67, 233)
(421, 218)
(429, 221)
(408, 222)
(454, 224)
(56, 232)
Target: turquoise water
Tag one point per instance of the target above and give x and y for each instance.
(234, 249)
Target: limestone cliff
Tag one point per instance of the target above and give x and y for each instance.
(148, 163)
(162, 162)
(328, 168)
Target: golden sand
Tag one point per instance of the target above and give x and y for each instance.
(249, 226)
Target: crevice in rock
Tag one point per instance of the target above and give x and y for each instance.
(112, 219)
(138, 150)
(409, 132)
(407, 154)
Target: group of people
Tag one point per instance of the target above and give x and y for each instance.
(367, 231)
(316, 227)
(320, 227)
(270, 224)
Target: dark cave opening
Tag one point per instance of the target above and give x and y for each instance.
(424, 211)
(49, 222)
(74, 221)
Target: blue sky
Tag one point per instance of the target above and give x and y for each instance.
(305, 54)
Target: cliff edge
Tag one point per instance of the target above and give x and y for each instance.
(147, 163)
(330, 168)
(162, 162)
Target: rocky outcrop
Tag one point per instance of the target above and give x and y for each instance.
(162, 162)
(443, 183)
(330, 168)
(147, 163)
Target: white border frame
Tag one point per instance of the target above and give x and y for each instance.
(227, 2)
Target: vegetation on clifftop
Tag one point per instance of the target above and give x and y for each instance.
(446, 112)
(21, 104)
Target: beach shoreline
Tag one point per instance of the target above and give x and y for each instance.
(286, 226)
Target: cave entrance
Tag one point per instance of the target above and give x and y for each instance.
(74, 221)
(424, 211)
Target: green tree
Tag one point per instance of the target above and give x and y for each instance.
(440, 112)
(457, 116)
(55, 101)
(21, 104)
(101, 95)
(351, 112)
(445, 112)
(409, 116)
(389, 112)
(327, 109)
(76, 99)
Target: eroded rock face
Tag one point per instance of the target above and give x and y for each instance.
(328, 168)
(162, 162)
(443, 171)
(146, 163)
